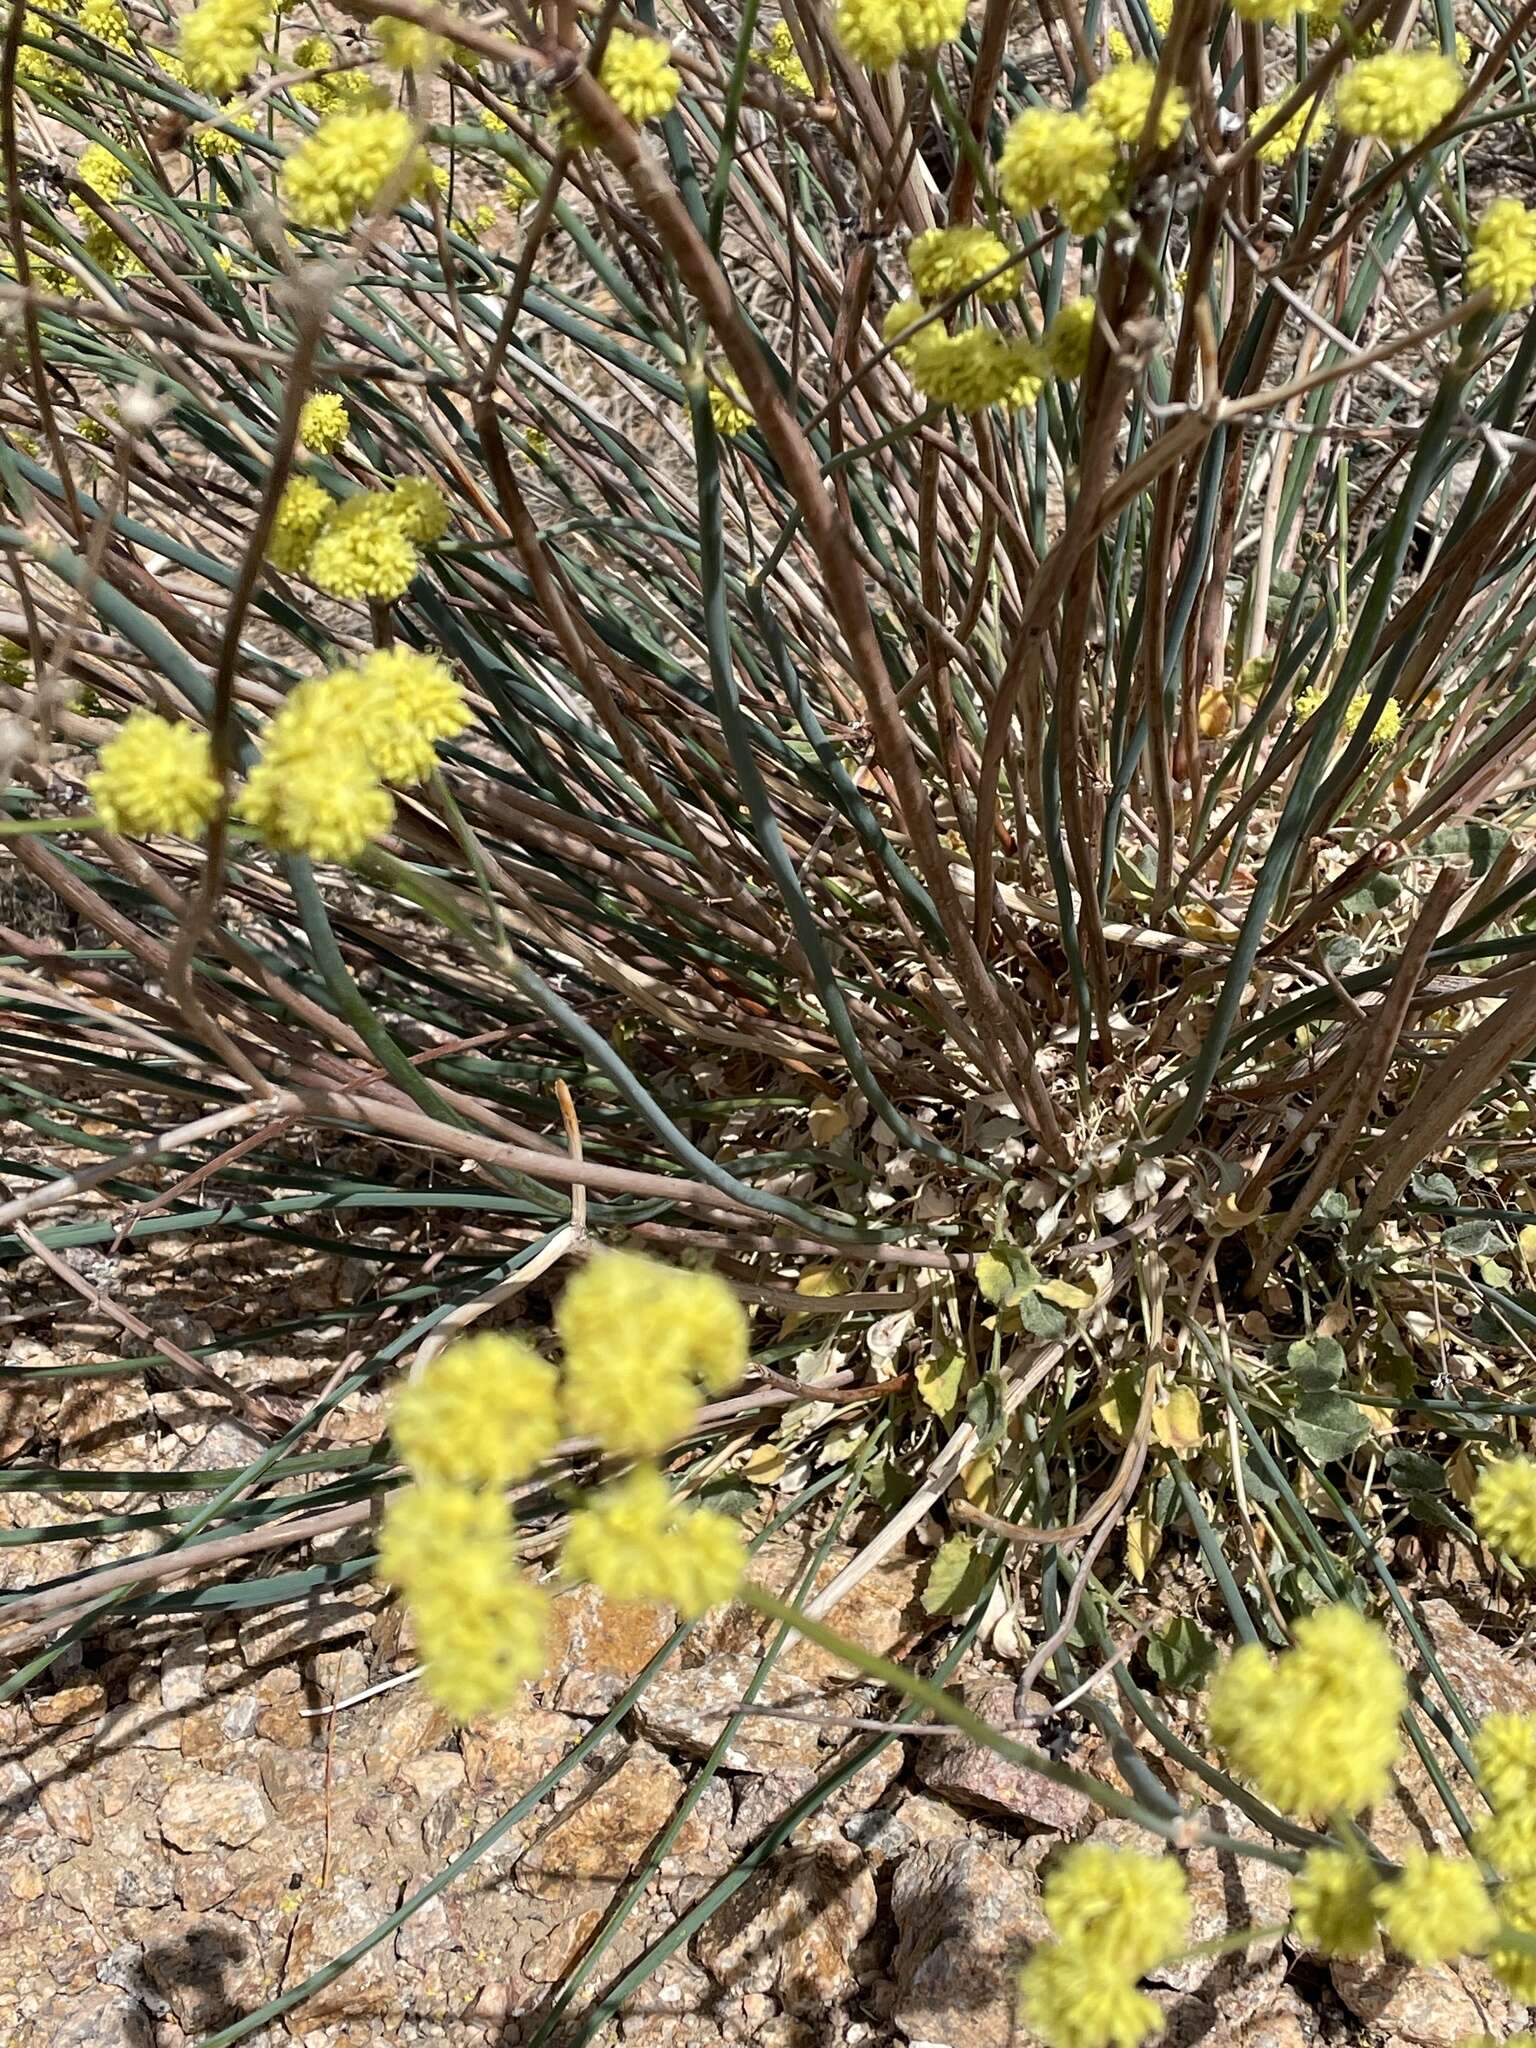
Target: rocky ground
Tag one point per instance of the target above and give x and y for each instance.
(189, 1830)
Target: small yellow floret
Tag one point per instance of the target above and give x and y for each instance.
(782, 58)
(1266, 10)
(635, 1543)
(1069, 338)
(435, 1530)
(1515, 1968)
(1310, 123)
(478, 1650)
(639, 1338)
(1505, 1749)
(944, 261)
(214, 141)
(219, 42)
(362, 550)
(638, 76)
(1068, 161)
(904, 314)
(1508, 1841)
(1131, 1909)
(105, 20)
(1333, 1901)
(1436, 1908)
(344, 168)
(1503, 259)
(104, 172)
(405, 47)
(156, 775)
(879, 33)
(301, 512)
(1122, 99)
(730, 416)
(324, 422)
(421, 508)
(976, 368)
(1504, 1508)
(1073, 1996)
(1397, 97)
(400, 704)
(485, 1411)
(1316, 1729)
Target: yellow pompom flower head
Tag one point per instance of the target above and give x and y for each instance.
(362, 550)
(1069, 338)
(1309, 124)
(421, 508)
(156, 776)
(1131, 1908)
(1503, 258)
(640, 1341)
(944, 261)
(1316, 1730)
(638, 75)
(1505, 1749)
(1397, 97)
(634, 1542)
(1504, 1508)
(1121, 98)
(314, 791)
(977, 368)
(1068, 161)
(301, 512)
(349, 164)
(780, 56)
(484, 1411)
(1436, 1908)
(324, 422)
(1071, 1995)
(398, 704)
(1333, 1902)
(879, 33)
(219, 42)
(405, 47)
(726, 409)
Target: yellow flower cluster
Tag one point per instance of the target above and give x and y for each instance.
(1069, 161)
(219, 141)
(343, 90)
(634, 1542)
(405, 47)
(1504, 1508)
(640, 1341)
(318, 788)
(104, 172)
(727, 411)
(1397, 97)
(1115, 1914)
(219, 42)
(1333, 1902)
(487, 1411)
(1389, 722)
(879, 33)
(484, 1412)
(155, 776)
(1515, 1968)
(1316, 1729)
(347, 164)
(1069, 338)
(638, 76)
(1311, 120)
(1266, 10)
(977, 367)
(365, 546)
(1503, 259)
(1075, 161)
(944, 261)
(780, 56)
(1436, 1908)
(481, 1623)
(324, 422)
(105, 20)
(1121, 98)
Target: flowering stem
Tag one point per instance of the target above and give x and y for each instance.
(1176, 1828)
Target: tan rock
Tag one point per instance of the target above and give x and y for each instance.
(794, 1928)
(67, 1807)
(1486, 1677)
(688, 1708)
(1427, 2004)
(207, 1967)
(601, 1837)
(507, 1754)
(102, 2017)
(971, 1775)
(433, 1775)
(72, 1703)
(599, 1646)
(329, 1922)
(207, 1812)
(964, 1919)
